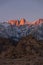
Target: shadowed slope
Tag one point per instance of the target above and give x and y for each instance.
(28, 48)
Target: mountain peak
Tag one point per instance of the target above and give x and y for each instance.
(36, 22)
(22, 21)
(12, 22)
(16, 22)
(39, 21)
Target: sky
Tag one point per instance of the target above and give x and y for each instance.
(17, 9)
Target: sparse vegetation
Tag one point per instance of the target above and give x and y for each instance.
(30, 49)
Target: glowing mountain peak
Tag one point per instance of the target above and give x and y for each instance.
(12, 22)
(16, 22)
(36, 22)
(22, 21)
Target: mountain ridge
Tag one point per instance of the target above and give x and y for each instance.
(22, 21)
(16, 29)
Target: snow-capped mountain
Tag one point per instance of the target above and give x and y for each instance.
(15, 29)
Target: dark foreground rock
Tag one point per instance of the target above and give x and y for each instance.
(28, 51)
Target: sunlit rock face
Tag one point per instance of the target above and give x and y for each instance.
(36, 22)
(39, 21)
(22, 22)
(12, 22)
(16, 22)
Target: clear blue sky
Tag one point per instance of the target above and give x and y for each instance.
(16, 9)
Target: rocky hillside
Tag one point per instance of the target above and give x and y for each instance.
(26, 47)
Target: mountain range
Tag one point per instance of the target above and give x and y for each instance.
(16, 29)
(21, 42)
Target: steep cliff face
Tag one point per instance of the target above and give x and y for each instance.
(13, 22)
(22, 22)
(37, 22)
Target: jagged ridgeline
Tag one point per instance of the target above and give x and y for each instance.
(15, 29)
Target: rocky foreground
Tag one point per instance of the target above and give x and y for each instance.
(28, 51)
